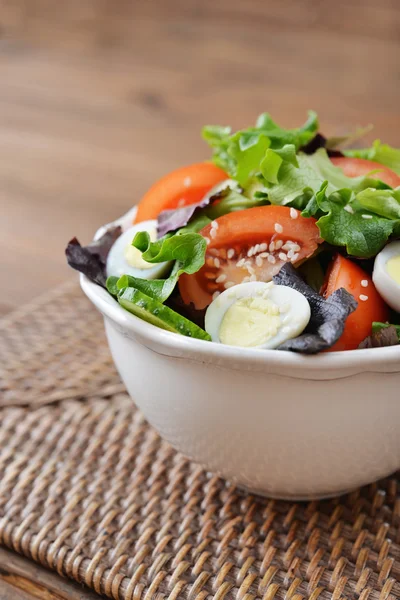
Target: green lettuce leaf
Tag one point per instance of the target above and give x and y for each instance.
(358, 221)
(385, 203)
(247, 150)
(362, 237)
(186, 249)
(241, 153)
(311, 171)
(381, 153)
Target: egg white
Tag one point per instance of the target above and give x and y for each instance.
(294, 311)
(387, 287)
(118, 265)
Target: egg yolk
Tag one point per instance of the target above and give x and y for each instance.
(133, 256)
(393, 268)
(250, 322)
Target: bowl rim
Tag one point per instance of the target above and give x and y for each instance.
(324, 365)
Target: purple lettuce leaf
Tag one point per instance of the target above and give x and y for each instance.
(387, 336)
(328, 315)
(91, 259)
(175, 218)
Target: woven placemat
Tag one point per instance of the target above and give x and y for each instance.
(89, 490)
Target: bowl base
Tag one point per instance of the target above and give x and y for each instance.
(294, 497)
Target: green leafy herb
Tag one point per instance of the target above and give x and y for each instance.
(381, 153)
(186, 249)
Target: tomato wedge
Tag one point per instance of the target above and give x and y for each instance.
(343, 273)
(249, 245)
(354, 167)
(184, 186)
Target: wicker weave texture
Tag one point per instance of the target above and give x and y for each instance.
(88, 489)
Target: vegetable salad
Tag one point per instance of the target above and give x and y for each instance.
(286, 239)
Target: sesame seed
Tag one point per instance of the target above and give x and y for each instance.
(215, 295)
(272, 246)
(294, 213)
(271, 259)
(230, 253)
(213, 232)
(221, 278)
(290, 254)
(253, 278)
(229, 284)
(349, 209)
(278, 228)
(207, 240)
(264, 255)
(240, 263)
(245, 279)
(295, 257)
(364, 282)
(217, 263)
(282, 256)
(366, 216)
(291, 246)
(250, 269)
(263, 247)
(214, 225)
(278, 244)
(363, 298)
(259, 261)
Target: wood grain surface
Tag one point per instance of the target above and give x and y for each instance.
(99, 98)
(21, 579)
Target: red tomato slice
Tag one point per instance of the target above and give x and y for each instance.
(343, 273)
(184, 186)
(354, 167)
(249, 245)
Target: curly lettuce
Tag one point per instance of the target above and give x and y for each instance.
(186, 249)
(378, 152)
(240, 154)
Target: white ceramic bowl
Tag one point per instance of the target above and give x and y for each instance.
(277, 423)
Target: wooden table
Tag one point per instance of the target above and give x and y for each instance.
(99, 98)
